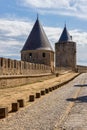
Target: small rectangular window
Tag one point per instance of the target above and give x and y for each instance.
(30, 54)
(44, 55)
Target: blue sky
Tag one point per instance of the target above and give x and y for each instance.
(17, 18)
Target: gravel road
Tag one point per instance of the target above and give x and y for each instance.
(45, 113)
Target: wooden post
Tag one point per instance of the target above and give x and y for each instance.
(42, 92)
(31, 98)
(47, 90)
(15, 107)
(3, 112)
(50, 89)
(21, 102)
(38, 95)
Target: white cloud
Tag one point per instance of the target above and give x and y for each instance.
(14, 27)
(63, 7)
(13, 34)
(46, 3)
(82, 54)
(79, 36)
(81, 39)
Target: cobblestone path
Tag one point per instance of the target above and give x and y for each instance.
(58, 110)
(76, 119)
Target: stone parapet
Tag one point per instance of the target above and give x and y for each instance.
(14, 67)
(81, 69)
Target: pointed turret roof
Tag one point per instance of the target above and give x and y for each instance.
(65, 36)
(37, 40)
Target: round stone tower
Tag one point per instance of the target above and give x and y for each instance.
(65, 51)
(37, 48)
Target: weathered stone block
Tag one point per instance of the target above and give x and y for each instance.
(15, 107)
(21, 102)
(3, 112)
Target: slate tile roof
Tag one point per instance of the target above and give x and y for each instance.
(65, 36)
(37, 40)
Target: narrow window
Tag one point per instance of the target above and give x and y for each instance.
(44, 55)
(14, 63)
(30, 55)
(8, 63)
(1, 62)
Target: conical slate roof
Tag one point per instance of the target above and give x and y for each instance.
(65, 37)
(37, 40)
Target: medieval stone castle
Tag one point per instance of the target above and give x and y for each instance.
(37, 49)
(37, 55)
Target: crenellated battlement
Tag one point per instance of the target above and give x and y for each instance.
(82, 69)
(15, 67)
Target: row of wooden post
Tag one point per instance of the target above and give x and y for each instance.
(20, 103)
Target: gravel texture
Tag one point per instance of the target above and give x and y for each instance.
(44, 113)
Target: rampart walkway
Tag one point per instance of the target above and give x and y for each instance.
(9, 95)
(63, 109)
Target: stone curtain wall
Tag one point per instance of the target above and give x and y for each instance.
(9, 81)
(62, 69)
(82, 69)
(14, 67)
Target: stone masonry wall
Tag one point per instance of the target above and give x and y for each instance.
(82, 69)
(9, 81)
(65, 55)
(14, 67)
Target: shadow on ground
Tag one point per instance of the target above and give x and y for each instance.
(78, 99)
(80, 85)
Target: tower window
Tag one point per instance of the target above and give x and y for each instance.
(30, 54)
(44, 55)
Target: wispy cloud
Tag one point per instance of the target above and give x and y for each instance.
(13, 34)
(75, 8)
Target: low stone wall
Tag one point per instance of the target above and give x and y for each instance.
(82, 69)
(13, 81)
(14, 67)
(62, 69)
